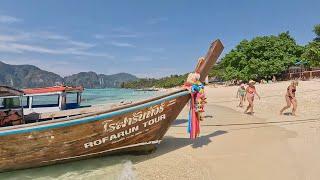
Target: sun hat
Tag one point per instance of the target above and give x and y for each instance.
(252, 82)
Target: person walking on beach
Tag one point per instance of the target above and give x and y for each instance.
(291, 98)
(241, 94)
(250, 93)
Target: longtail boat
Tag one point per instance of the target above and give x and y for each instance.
(30, 137)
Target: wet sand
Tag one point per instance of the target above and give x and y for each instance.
(234, 145)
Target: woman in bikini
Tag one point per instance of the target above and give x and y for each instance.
(291, 98)
(250, 93)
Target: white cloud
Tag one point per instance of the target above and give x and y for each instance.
(99, 36)
(157, 20)
(61, 38)
(8, 19)
(9, 38)
(49, 35)
(5, 48)
(156, 50)
(80, 45)
(121, 44)
(20, 48)
(128, 35)
(140, 59)
(31, 48)
(42, 42)
(118, 32)
(94, 54)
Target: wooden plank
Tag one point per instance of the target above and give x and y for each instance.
(211, 58)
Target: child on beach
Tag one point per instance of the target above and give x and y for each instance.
(250, 93)
(291, 98)
(241, 94)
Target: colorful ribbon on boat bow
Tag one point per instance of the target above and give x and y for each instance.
(197, 102)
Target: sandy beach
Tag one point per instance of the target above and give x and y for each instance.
(234, 145)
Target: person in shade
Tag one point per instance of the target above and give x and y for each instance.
(241, 94)
(250, 93)
(291, 98)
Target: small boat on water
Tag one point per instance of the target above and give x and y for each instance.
(33, 135)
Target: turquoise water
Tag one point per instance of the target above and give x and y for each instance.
(96, 97)
(105, 168)
(113, 95)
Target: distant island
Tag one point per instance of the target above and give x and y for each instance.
(27, 76)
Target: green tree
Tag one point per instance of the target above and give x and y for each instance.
(316, 30)
(165, 82)
(262, 57)
(312, 50)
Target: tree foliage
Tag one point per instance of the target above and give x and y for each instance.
(166, 82)
(312, 50)
(261, 57)
(316, 30)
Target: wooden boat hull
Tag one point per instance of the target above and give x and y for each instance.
(138, 127)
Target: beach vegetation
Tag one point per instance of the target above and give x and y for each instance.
(260, 58)
(312, 49)
(165, 82)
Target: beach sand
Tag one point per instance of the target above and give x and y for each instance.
(234, 145)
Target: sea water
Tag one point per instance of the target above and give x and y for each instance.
(114, 95)
(104, 168)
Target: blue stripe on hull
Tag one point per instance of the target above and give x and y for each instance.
(91, 118)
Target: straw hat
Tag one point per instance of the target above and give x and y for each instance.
(252, 82)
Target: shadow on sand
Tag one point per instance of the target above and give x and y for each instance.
(182, 121)
(171, 143)
(179, 121)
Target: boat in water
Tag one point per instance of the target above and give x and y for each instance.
(33, 135)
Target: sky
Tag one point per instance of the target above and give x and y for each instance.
(147, 38)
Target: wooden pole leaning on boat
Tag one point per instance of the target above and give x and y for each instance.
(204, 66)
